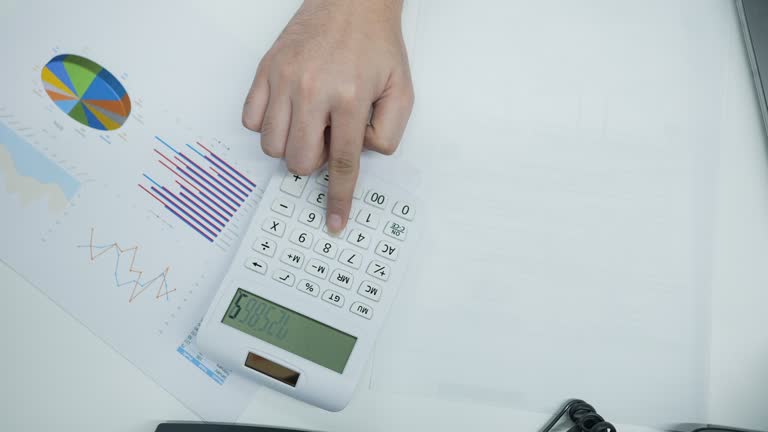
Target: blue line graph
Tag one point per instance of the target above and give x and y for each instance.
(140, 284)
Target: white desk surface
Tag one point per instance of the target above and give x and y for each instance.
(56, 374)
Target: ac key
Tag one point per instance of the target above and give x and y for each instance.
(387, 250)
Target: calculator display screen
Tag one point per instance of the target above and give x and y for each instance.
(289, 330)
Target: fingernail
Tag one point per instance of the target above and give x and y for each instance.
(334, 223)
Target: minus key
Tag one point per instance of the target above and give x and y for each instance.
(283, 206)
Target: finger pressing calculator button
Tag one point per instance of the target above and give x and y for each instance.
(264, 246)
(293, 258)
(318, 197)
(351, 258)
(341, 278)
(293, 184)
(376, 198)
(256, 265)
(339, 235)
(370, 290)
(396, 230)
(284, 277)
(311, 218)
(326, 248)
(362, 310)
(333, 298)
(378, 270)
(403, 209)
(274, 226)
(317, 268)
(368, 218)
(387, 250)
(301, 238)
(283, 206)
(359, 238)
(308, 287)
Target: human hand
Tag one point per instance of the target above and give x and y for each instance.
(314, 90)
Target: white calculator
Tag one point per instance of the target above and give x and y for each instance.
(299, 310)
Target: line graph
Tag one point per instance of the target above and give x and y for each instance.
(138, 283)
(204, 191)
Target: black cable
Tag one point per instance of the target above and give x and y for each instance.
(583, 416)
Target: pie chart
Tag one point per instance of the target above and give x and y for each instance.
(86, 92)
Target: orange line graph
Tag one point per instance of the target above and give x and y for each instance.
(139, 287)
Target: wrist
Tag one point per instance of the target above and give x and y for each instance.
(372, 9)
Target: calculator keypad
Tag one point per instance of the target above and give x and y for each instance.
(349, 271)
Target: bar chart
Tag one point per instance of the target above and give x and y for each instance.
(198, 187)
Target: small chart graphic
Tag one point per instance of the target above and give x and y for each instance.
(205, 195)
(131, 276)
(30, 175)
(86, 92)
(189, 350)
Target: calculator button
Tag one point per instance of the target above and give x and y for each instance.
(333, 298)
(370, 290)
(317, 268)
(341, 278)
(353, 211)
(396, 230)
(362, 310)
(368, 218)
(351, 258)
(283, 206)
(378, 270)
(403, 209)
(358, 193)
(376, 198)
(284, 277)
(293, 258)
(274, 226)
(264, 246)
(326, 248)
(323, 177)
(308, 287)
(359, 238)
(311, 217)
(318, 197)
(387, 250)
(293, 184)
(256, 265)
(301, 238)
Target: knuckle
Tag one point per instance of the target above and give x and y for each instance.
(387, 147)
(270, 150)
(300, 167)
(307, 84)
(339, 203)
(342, 165)
(251, 123)
(267, 127)
(285, 70)
(348, 94)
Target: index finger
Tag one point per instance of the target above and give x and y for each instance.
(347, 133)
